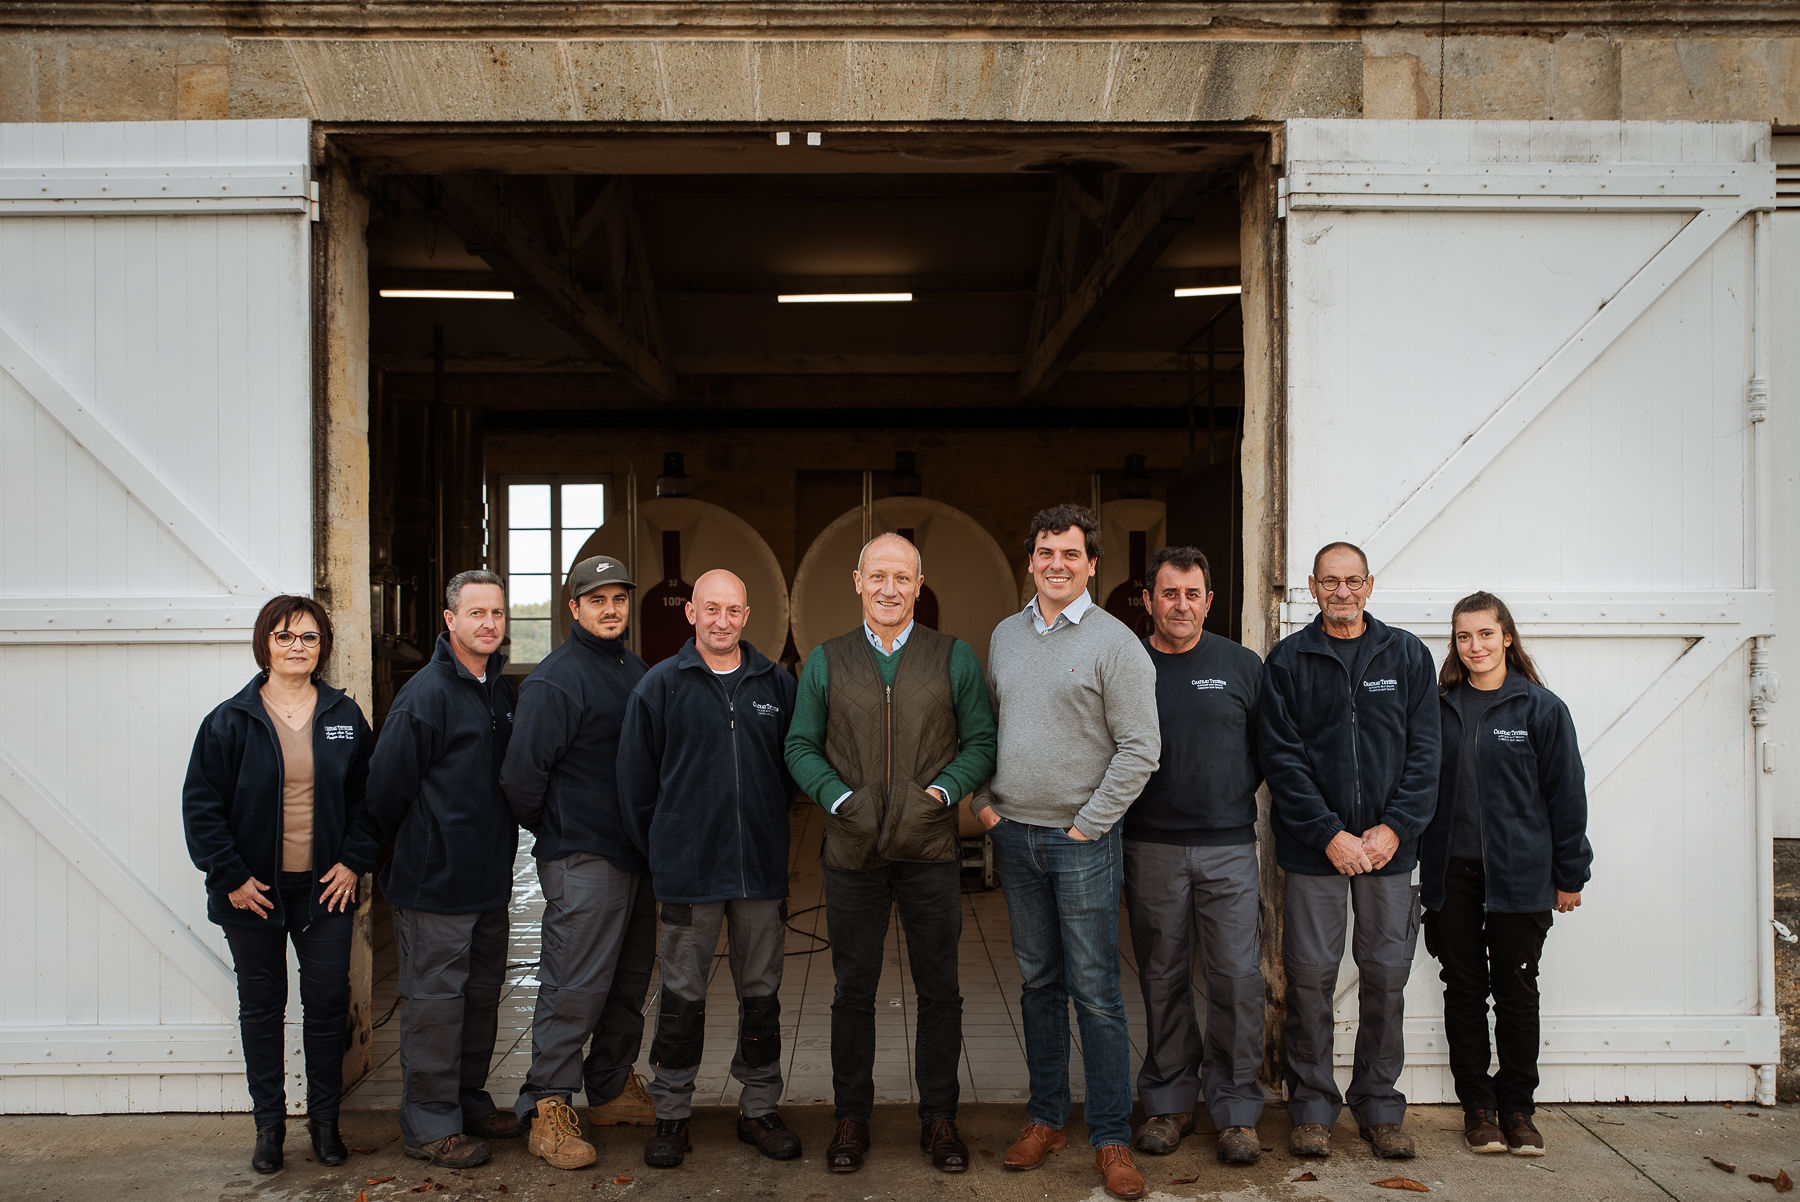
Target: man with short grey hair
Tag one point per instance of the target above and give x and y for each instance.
(434, 791)
(560, 779)
(1348, 734)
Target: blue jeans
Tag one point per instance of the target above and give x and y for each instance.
(1062, 902)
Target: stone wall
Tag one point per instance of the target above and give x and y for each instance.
(452, 61)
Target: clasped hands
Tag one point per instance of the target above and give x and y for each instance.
(1352, 855)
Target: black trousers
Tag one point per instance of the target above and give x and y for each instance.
(1485, 955)
(260, 956)
(857, 904)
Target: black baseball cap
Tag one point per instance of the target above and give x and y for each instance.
(595, 571)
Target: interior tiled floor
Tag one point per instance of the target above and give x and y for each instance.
(993, 1057)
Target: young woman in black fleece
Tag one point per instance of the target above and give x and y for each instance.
(1507, 847)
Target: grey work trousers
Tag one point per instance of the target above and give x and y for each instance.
(452, 967)
(1387, 928)
(587, 907)
(756, 932)
(1183, 899)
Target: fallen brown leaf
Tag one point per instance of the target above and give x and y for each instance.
(364, 1151)
(1720, 1164)
(1781, 1181)
(362, 1196)
(379, 1180)
(621, 1179)
(1307, 1177)
(1418, 1187)
(503, 1187)
(1184, 1181)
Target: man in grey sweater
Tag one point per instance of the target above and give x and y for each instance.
(1075, 699)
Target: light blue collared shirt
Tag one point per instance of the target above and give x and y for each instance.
(899, 639)
(1074, 611)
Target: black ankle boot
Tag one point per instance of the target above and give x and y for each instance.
(267, 1156)
(328, 1149)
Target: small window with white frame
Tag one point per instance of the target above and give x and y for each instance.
(544, 522)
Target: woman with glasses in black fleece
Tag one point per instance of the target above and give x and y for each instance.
(276, 777)
(1506, 848)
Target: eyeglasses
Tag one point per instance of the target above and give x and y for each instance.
(285, 638)
(1330, 584)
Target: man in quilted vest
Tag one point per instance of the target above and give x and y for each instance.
(891, 729)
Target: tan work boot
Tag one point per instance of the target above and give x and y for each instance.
(632, 1108)
(556, 1136)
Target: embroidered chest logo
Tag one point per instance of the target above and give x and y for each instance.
(767, 709)
(1208, 682)
(1512, 736)
(1385, 685)
(340, 732)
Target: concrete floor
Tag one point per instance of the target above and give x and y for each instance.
(1649, 1152)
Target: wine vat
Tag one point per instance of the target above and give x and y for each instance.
(968, 579)
(1131, 531)
(678, 539)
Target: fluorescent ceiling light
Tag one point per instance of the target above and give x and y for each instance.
(1213, 290)
(444, 294)
(825, 298)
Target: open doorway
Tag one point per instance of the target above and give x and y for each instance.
(646, 392)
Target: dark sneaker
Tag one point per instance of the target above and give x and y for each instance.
(498, 1124)
(1239, 1145)
(770, 1135)
(452, 1152)
(1481, 1133)
(668, 1144)
(1311, 1140)
(1522, 1139)
(1161, 1133)
(1389, 1142)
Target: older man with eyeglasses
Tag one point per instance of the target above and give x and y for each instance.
(1348, 733)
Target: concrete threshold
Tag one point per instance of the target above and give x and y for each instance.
(1613, 1153)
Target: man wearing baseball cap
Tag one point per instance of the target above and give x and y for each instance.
(559, 780)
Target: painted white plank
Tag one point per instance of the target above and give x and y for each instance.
(172, 938)
(87, 429)
(1607, 752)
(1548, 382)
(93, 1050)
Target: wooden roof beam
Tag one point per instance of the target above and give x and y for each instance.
(476, 208)
(1067, 317)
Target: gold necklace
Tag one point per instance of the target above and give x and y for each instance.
(287, 714)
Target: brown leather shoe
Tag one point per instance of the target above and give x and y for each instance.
(1481, 1133)
(948, 1152)
(496, 1124)
(1118, 1173)
(849, 1144)
(1035, 1142)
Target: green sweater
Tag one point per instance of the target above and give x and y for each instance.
(973, 764)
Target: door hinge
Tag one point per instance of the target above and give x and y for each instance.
(1758, 397)
(312, 198)
(1281, 197)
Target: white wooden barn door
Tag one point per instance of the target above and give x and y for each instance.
(1526, 357)
(155, 489)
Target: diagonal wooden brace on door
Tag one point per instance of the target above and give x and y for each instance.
(92, 434)
(112, 878)
(1548, 382)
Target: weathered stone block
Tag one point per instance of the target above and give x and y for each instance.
(890, 81)
(977, 81)
(202, 92)
(802, 81)
(526, 81)
(440, 81)
(707, 80)
(18, 79)
(265, 80)
(617, 81)
(1066, 81)
(1496, 79)
(1717, 79)
(351, 81)
(119, 77)
(1327, 82)
(1394, 85)
(1584, 78)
